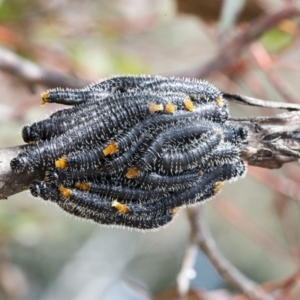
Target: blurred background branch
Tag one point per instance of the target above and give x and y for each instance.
(33, 74)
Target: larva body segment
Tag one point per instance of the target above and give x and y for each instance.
(200, 91)
(55, 126)
(178, 161)
(124, 194)
(72, 96)
(124, 84)
(164, 182)
(181, 134)
(203, 190)
(42, 154)
(96, 208)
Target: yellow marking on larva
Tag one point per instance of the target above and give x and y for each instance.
(44, 96)
(218, 186)
(170, 108)
(83, 186)
(155, 107)
(219, 101)
(200, 173)
(121, 208)
(61, 163)
(132, 172)
(31, 142)
(110, 149)
(64, 191)
(189, 104)
(174, 210)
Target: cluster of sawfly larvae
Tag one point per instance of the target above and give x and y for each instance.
(132, 150)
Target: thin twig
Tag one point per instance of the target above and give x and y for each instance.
(32, 73)
(187, 264)
(230, 273)
(245, 100)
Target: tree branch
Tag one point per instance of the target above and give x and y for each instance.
(11, 183)
(250, 101)
(272, 142)
(202, 236)
(32, 73)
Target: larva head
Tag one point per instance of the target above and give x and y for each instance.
(35, 188)
(28, 135)
(19, 164)
(43, 189)
(54, 95)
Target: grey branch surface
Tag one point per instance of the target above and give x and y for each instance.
(272, 142)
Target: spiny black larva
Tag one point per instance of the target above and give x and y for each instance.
(206, 187)
(49, 128)
(125, 159)
(96, 158)
(68, 178)
(42, 154)
(97, 91)
(160, 182)
(198, 90)
(169, 100)
(124, 83)
(153, 150)
(54, 126)
(95, 207)
(153, 124)
(69, 96)
(224, 154)
(120, 192)
(112, 153)
(146, 181)
(46, 129)
(178, 161)
(104, 107)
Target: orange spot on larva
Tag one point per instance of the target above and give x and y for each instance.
(170, 108)
(174, 210)
(64, 191)
(132, 172)
(44, 96)
(111, 149)
(219, 101)
(83, 186)
(121, 208)
(155, 107)
(189, 104)
(61, 163)
(218, 186)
